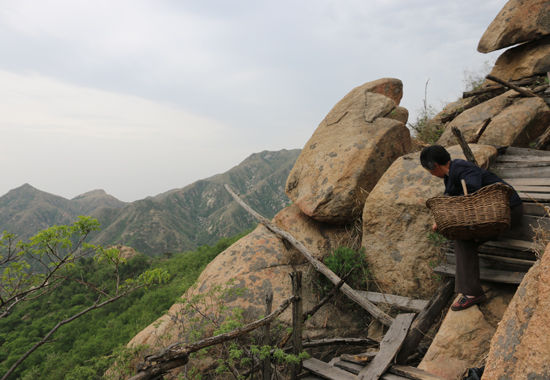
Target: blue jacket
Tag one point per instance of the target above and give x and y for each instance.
(475, 178)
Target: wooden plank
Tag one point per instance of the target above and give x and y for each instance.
(519, 245)
(350, 367)
(528, 181)
(524, 163)
(403, 303)
(362, 358)
(532, 189)
(533, 197)
(425, 320)
(512, 150)
(506, 172)
(413, 373)
(485, 274)
(326, 371)
(389, 347)
(498, 262)
(506, 158)
(536, 209)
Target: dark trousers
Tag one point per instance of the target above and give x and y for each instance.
(467, 261)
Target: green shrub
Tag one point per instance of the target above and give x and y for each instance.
(348, 264)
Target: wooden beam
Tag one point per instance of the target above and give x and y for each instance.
(481, 130)
(504, 171)
(389, 347)
(400, 302)
(485, 274)
(512, 150)
(319, 266)
(522, 91)
(425, 320)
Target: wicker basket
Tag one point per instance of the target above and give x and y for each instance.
(483, 214)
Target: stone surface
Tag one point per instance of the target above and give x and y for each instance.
(463, 338)
(520, 348)
(523, 61)
(514, 121)
(348, 152)
(396, 225)
(518, 21)
(519, 124)
(399, 113)
(260, 262)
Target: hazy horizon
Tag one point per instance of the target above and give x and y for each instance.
(137, 98)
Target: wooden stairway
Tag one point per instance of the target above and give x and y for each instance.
(508, 259)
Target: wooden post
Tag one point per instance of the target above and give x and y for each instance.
(266, 340)
(464, 145)
(425, 319)
(296, 320)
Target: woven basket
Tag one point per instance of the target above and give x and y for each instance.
(483, 214)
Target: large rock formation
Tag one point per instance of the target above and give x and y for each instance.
(520, 348)
(523, 61)
(352, 147)
(514, 121)
(396, 225)
(261, 263)
(518, 21)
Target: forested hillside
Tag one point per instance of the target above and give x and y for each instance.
(86, 347)
(174, 221)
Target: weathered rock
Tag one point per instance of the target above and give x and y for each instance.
(349, 151)
(260, 263)
(400, 114)
(518, 21)
(463, 339)
(520, 348)
(519, 124)
(514, 121)
(396, 225)
(532, 58)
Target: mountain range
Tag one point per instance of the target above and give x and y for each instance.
(173, 221)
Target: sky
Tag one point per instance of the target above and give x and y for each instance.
(138, 97)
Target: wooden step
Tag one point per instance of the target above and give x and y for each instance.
(485, 274)
(403, 303)
(326, 371)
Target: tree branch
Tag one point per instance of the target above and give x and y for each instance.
(177, 354)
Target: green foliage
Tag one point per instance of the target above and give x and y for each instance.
(349, 264)
(86, 347)
(437, 239)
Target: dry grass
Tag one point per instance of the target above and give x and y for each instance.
(541, 235)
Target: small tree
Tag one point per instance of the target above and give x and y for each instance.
(34, 268)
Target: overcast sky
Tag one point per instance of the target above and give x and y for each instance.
(139, 97)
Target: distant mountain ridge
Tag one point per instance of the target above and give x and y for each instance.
(173, 221)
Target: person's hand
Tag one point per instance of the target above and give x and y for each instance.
(434, 227)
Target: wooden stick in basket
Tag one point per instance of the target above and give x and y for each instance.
(464, 188)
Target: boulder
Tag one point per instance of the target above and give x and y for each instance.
(532, 58)
(349, 151)
(397, 224)
(463, 338)
(514, 121)
(519, 124)
(520, 348)
(260, 263)
(518, 21)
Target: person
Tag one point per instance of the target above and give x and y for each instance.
(437, 160)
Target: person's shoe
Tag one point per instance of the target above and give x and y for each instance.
(465, 302)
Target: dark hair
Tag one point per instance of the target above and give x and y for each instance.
(432, 155)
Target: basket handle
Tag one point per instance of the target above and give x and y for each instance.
(464, 188)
